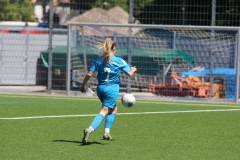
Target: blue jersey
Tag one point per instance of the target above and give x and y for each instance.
(109, 73)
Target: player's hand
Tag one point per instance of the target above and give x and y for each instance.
(134, 69)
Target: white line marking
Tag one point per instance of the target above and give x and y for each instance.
(191, 104)
(38, 117)
(134, 113)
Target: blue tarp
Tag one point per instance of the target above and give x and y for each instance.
(228, 73)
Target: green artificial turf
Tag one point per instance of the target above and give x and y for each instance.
(47, 127)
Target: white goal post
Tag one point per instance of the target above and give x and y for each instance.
(172, 60)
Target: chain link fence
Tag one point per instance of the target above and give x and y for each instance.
(170, 12)
(30, 30)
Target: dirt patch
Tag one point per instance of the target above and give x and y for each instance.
(98, 15)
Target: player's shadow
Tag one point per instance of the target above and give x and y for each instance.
(78, 142)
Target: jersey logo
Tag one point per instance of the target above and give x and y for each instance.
(107, 69)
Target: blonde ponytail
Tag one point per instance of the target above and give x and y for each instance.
(107, 49)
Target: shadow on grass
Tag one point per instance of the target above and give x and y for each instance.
(78, 142)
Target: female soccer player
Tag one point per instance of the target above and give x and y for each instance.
(109, 67)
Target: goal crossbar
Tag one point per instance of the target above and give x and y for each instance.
(154, 26)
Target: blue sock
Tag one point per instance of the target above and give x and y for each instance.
(109, 120)
(97, 121)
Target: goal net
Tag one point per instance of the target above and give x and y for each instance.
(172, 61)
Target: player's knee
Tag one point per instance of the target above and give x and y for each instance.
(104, 111)
(114, 110)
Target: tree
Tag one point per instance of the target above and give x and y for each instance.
(80, 4)
(189, 12)
(228, 14)
(107, 4)
(19, 10)
(175, 12)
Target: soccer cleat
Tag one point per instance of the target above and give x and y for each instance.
(86, 134)
(107, 136)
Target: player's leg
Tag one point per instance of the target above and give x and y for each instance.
(108, 123)
(112, 98)
(101, 92)
(97, 119)
(95, 123)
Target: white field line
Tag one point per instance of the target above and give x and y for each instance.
(134, 113)
(140, 101)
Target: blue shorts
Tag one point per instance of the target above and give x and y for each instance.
(108, 94)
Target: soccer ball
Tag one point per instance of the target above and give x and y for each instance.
(128, 100)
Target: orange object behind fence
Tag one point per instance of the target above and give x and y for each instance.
(190, 86)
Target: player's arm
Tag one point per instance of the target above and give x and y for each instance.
(85, 80)
(132, 71)
(125, 68)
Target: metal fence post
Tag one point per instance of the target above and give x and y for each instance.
(26, 59)
(183, 12)
(236, 52)
(84, 51)
(212, 57)
(1, 56)
(50, 48)
(213, 17)
(237, 67)
(68, 72)
(130, 43)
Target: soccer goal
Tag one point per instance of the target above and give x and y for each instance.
(172, 61)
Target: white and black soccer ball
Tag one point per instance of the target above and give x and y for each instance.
(128, 100)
